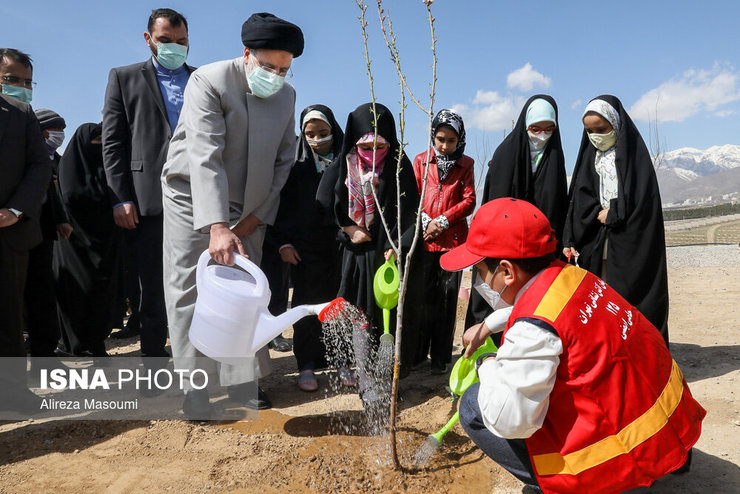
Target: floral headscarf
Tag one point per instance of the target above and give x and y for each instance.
(451, 119)
(605, 110)
(605, 161)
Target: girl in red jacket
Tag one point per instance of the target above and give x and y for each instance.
(448, 200)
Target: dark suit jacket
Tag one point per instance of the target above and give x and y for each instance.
(25, 171)
(136, 136)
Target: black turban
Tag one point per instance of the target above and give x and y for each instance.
(50, 119)
(265, 30)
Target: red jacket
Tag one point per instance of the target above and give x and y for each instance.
(454, 198)
(620, 414)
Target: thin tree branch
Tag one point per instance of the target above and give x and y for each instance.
(395, 54)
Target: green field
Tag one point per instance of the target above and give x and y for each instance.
(723, 233)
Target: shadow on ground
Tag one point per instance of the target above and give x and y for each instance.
(708, 474)
(60, 436)
(702, 362)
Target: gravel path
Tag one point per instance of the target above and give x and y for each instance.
(703, 256)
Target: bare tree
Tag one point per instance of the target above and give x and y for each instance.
(656, 144)
(483, 154)
(389, 37)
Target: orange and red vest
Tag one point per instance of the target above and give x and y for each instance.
(620, 414)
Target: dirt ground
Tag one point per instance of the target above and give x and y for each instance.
(314, 442)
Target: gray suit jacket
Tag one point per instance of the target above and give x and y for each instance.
(136, 133)
(232, 151)
(25, 172)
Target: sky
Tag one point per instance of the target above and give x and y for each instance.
(677, 60)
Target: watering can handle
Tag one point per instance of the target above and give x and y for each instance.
(262, 286)
(241, 261)
(201, 269)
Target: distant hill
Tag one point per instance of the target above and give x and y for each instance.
(689, 176)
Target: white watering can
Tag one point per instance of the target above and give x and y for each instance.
(231, 320)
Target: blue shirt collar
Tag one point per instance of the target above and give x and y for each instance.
(164, 70)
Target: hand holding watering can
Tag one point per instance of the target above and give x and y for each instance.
(463, 376)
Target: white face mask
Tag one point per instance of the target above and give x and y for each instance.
(491, 296)
(55, 139)
(603, 142)
(538, 141)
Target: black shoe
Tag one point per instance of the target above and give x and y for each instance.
(244, 395)
(531, 489)
(280, 344)
(197, 405)
(126, 332)
(61, 352)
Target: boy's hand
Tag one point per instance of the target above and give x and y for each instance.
(474, 337)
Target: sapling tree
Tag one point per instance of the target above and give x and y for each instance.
(389, 37)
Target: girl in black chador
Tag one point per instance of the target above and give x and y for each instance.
(365, 245)
(528, 164)
(305, 234)
(615, 219)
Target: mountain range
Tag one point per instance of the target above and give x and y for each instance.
(693, 177)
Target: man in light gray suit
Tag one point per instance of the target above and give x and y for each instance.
(228, 159)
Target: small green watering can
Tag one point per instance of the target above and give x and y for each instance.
(463, 373)
(385, 288)
(463, 376)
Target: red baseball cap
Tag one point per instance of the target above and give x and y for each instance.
(505, 228)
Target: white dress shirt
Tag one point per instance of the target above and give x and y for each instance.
(515, 386)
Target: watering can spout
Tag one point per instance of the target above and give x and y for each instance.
(270, 326)
(231, 321)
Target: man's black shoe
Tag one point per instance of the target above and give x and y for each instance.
(197, 405)
(280, 344)
(126, 332)
(61, 352)
(244, 394)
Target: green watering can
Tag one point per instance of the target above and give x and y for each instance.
(462, 376)
(385, 288)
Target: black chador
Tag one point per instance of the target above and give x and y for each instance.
(87, 267)
(633, 233)
(511, 174)
(305, 220)
(361, 260)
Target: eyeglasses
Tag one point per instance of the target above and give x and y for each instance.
(538, 130)
(17, 81)
(287, 73)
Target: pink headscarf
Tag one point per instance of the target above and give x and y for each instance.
(361, 178)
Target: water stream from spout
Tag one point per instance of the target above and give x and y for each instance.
(349, 338)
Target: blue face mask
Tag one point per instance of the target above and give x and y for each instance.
(171, 55)
(20, 93)
(262, 82)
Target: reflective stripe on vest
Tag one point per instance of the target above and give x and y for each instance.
(640, 430)
(560, 292)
